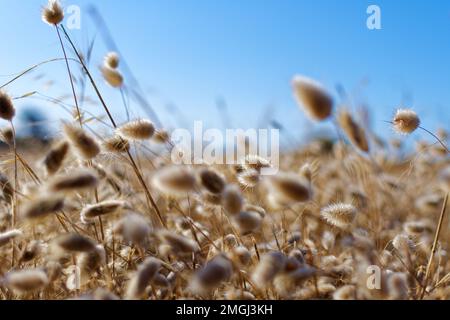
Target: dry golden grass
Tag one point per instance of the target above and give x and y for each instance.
(124, 223)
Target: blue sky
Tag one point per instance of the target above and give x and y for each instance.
(190, 52)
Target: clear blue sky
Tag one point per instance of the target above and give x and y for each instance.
(189, 52)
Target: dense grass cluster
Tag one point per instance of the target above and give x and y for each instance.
(101, 217)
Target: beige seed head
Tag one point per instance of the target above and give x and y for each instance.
(135, 229)
(270, 265)
(116, 144)
(161, 136)
(288, 188)
(403, 243)
(248, 178)
(86, 145)
(340, 215)
(406, 121)
(7, 236)
(137, 130)
(99, 209)
(312, 96)
(354, 132)
(7, 110)
(7, 135)
(55, 157)
(212, 181)
(112, 76)
(26, 280)
(247, 221)
(111, 60)
(346, 292)
(73, 242)
(53, 13)
(73, 181)
(398, 286)
(144, 275)
(241, 255)
(174, 180)
(216, 271)
(232, 199)
(43, 206)
(179, 244)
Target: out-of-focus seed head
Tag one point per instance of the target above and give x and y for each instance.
(270, 265)
(111, 60)
(247, 221)
(75, 181)
(93, 211)
(43, 206)
(7, 236)
(174, 180)
(232, 200)
(216, 271)
(112, 76)
(72, 242)
(27, 280)
(144, 275)
(135, 229)
(55, 157)
(211, 180)
(354, 132)
(84, 144)
(179, 245)
(287, 188)
(7, 110)
(309, 94)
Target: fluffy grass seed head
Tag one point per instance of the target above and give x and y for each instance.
(43, 206)
(55, 157)
(116, 144)
(354, 132)
(112, 76)
(215, 271)
(174, 180)
(85, 145)
(7, 110)
(73, 242)
(269, 266)
(247, 221)
(26, 280)
(179, 244)
(75, 181)
(111, 60)
(141, 129)
(288, 188)
(340, 215)
(232, 199)
(316, 102)
(134, 228)
(145, 273)
(53, 13)
(212, 181)
(93, 211)
(406, 121)
(7, 236)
